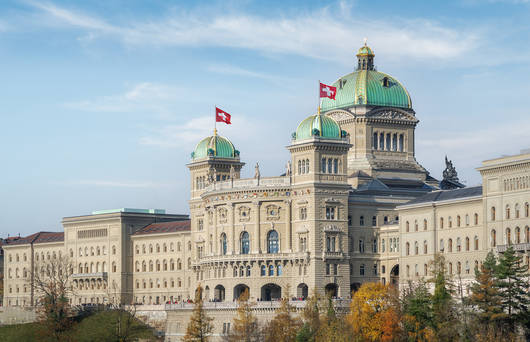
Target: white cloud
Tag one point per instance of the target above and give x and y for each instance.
(318, 34)
(189, 133)
(237, 71)
(118, 184)
(141, 96)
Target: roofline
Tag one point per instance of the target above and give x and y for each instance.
(72, 219)
(135, 235)
(437, 203)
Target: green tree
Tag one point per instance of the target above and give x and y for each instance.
(416, 311)
(311, 319)
(445, 319)
(333, 327)
(245, 327)
(513, 288)
(200, 326)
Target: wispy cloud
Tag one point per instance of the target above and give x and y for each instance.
(141, 96)
(317, 34)
(237, 71)
(117, 184)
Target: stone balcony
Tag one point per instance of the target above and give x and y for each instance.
(264, 257)
(263, 305)
(332, 255)
(254, 183)
(519, 247)
(95, 275)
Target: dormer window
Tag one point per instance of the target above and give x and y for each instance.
(386, 82)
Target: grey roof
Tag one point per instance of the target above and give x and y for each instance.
(446, 195)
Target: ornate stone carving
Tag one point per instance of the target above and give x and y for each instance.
(339, 115)
(244, 214)
(273, 212)
(391, 114)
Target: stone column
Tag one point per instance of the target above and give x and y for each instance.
(256, 239)
(215, 223)
(288, 226)
(232, 235)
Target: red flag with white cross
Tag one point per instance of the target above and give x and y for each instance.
(222, 116)
(327, 91)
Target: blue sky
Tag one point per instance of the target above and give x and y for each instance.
(102, 102)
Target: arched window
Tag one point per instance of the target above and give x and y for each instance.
(458, 221)
(476, 242)
(361, 221)
(151, 268)
(323, 165)
(450, 221)
(527, 234)
(307, 166)
(415, 225)
(164, 263)
(303, 166)
(517, 210)
(459, 267)
(508, 236)
(441, 222)
(407, 248)
(450, 268)
(450, 245)
(476, 219)
(493, 238)
(113, 250)
(279, 270)
(164, 248)
(272, 242)
(526, 209)
(114, 268)
(245, 243)
(299, 167)
(425, 247)
(424, 224)
(223, 244)
(179, 264)
(442, 247)
(493, 213)
(335, 166)
(144, 266)
(517, 235)
(407, 227)
(416, 248)
(271, 270)
(507, 211)
(248, 271)
(467, 220)
(467, 243)
(330, 165)
(263, 270)
(458, 245)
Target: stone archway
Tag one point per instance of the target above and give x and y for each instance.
(219, 293)
(332, 289)
(394, 275)
(271, 292)
(302, 291)
(239, 289)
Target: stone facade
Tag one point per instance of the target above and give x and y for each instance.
(353, 206)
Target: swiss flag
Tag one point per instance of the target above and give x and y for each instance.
(222, 116)
(327, 91)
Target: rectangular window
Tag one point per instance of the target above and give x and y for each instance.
(327, 269)
(200, 224)
(330, 213)
(323, 165)
(335, 269)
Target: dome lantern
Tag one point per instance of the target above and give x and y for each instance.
(365, 58)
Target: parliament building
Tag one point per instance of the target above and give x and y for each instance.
(353, 206)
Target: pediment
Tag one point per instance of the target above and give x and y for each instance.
(339, 115)
(392, 114)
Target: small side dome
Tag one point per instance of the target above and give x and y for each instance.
(215, 146)
(320, 126)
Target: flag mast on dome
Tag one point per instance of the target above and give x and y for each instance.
(220, 116)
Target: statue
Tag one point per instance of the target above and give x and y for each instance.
(232, 172)
(288, 168)
(450, 173)
(450, 177)
(256, 171)
(211, 175)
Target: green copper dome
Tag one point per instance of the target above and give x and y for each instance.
(215, 146)
(367, 87)
(318, 125)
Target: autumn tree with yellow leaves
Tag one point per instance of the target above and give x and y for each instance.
(373, 316)
(246, 328)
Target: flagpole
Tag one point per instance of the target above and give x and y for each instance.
(215, 130)
(320, 119)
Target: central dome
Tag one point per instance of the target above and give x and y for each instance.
(367, 87)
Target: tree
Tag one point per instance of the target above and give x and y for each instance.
(416, 311)
(200, 326)
(50, 280)
(372, 315)
(284, 326)
(445, 320)
(486, 300)
(124, 324)
(513, 288)
(245, 327)
(310, 319)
